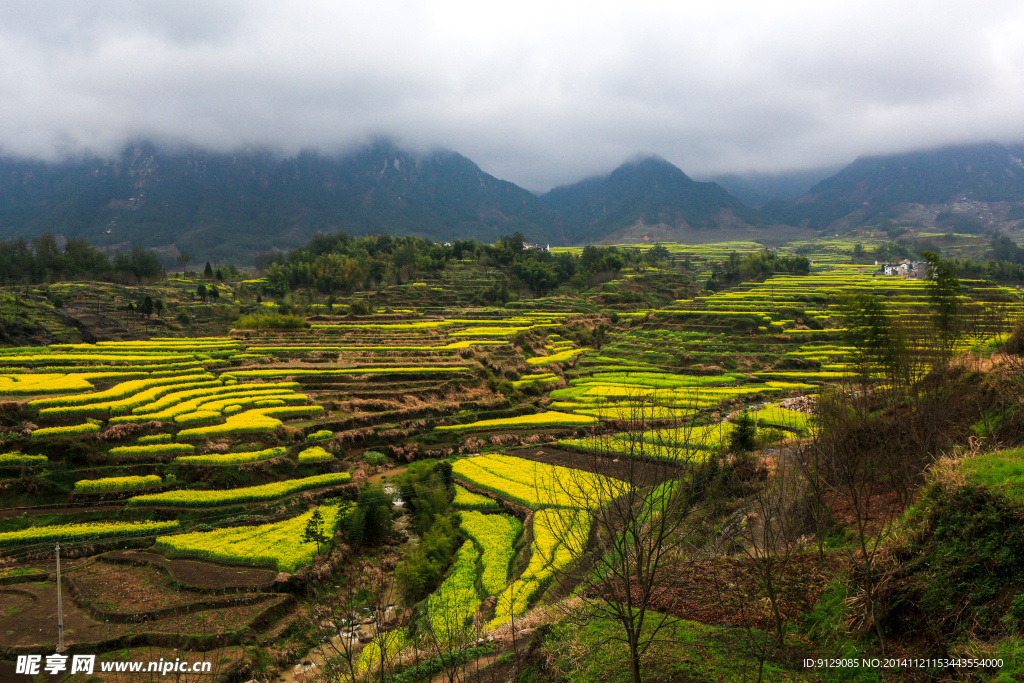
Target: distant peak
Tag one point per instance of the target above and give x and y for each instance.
(641, 157)
(646, 159)
(650, 166)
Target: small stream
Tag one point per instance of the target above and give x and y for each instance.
(309, 665)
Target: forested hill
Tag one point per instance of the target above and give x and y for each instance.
(972, 188)
(643, 193)
(227, 207)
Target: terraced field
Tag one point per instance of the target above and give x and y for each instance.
(146, 457)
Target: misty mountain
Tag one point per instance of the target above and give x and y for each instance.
(969, 188)
(757, 189)
(227, 207)
(641, 194)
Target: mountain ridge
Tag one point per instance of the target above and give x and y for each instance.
(215, 204)
(227, 207)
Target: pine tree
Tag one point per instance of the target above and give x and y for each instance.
(208, 270)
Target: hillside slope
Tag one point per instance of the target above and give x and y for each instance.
(957, 189)
(642, 195)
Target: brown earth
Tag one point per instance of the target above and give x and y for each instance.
(123, 593)
(128, 597)
(28, 618)
(197, 574)
(727, 591)
(50, 510)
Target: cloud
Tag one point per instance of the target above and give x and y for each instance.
(540, 93)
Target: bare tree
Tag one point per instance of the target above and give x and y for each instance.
(357, 614)
(769, 536)
(336, 615)
(860, 467)
(641, 504)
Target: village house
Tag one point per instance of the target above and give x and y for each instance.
(906, 269)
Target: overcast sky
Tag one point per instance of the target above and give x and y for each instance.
(539, 93)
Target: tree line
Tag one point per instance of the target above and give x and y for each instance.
(342, 263)
(43, 259)
(753, 266)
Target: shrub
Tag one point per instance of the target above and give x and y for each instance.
(375, 458)
(424, 489)
(744, 436)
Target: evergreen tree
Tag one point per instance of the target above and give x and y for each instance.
(208, 271)
(743, 434)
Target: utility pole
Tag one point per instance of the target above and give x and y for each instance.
(60, 608)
